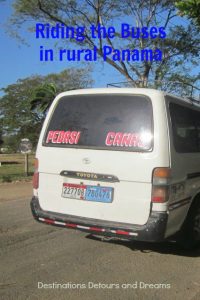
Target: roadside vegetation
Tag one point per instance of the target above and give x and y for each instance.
(12, 167)
(23, 108)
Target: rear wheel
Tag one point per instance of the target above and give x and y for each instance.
(190, 233)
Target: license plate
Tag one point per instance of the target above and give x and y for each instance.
(87, 192)
(75, 191)
(99, 193)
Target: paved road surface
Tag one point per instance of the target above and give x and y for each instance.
(33, 254)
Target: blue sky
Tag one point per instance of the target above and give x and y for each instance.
(18, 60)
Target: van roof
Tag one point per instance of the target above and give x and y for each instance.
(146, 91)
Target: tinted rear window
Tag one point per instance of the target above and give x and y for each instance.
(112, 122)
(186, 128)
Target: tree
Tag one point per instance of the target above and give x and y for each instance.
(54, 84)
(1, 138)
(180, 48)
(191, 9)
(43, 97)
(17, 119)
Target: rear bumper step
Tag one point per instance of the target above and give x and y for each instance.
(153, 230)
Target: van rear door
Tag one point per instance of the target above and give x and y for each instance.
(100, 143)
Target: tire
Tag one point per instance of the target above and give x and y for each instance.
(190, 234)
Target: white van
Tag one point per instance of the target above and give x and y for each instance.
(121, 163)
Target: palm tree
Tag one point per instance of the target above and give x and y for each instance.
(42, 97)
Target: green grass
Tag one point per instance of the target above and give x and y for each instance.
(15, 172)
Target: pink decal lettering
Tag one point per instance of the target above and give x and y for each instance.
(134, 140)
(66, 137)
(126, 140)
(49, 137)
(55, 136)
(109, 138)
(72, 137)
(60, 137)
(117, 139)
(77, 137)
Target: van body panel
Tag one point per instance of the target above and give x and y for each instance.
(132, 194)
(128, 205)
(130, 169)
(153, 230)
(184, 187)
(126, 172)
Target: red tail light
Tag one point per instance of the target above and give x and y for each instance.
(159, 194)
(36, 175)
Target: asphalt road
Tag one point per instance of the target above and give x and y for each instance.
(34, 254)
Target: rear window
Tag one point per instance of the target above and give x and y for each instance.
(186, 128)
(110, 122)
